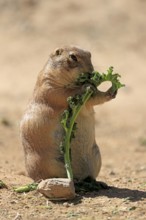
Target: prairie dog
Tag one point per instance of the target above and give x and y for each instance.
(41, 131)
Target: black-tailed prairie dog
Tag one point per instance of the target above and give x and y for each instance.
(41, 131)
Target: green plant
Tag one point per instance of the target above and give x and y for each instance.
(69, 116)
(26, 188)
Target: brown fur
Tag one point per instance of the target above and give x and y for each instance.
(41, 131)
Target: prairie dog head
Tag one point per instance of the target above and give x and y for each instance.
(66, 63)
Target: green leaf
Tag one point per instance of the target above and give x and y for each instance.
(26, 188)
(2, 185)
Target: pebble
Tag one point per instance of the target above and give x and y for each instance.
(66, 204)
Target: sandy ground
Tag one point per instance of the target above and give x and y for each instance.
(115, 33)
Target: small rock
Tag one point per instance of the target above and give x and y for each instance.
(123, 209)
(57, 188)
(132, 208)
(13, 202)
(66, 204)
(5, 122)
(112, 173)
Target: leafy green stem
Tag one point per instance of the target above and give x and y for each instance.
(75, 103)
(68, 134)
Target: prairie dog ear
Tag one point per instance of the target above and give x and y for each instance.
(58, 51)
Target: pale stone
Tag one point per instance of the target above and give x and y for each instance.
(57, 188)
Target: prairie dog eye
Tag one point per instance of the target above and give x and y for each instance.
(73, 57)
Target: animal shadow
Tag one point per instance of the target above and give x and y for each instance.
(123, 193)
(110, 192)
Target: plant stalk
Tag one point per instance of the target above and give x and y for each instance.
(76, 111)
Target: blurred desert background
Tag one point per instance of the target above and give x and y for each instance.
(115, 33)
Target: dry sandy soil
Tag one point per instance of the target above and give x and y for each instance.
(115, 33)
